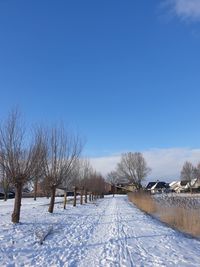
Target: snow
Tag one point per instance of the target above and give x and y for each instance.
(186, 200)
(108, 232)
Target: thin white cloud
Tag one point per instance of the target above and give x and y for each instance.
(185, 9)
(166, 164)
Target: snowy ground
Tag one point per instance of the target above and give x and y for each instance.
(186, 200)
(110, 232)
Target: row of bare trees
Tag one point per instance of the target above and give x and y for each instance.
(132, 168)
(50, 155)
(88, 183)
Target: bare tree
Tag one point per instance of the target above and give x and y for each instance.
(44, 186)
(78, 179)
(96, 184)
(197, 171)
(63, 150)
(133, 168)
(188, 171)
(87, 171)
(18, 157)
(71, 181)
(40, 140)
(113, 178)
(84, 173)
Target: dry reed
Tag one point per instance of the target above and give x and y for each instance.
(181, 218)
(143, 201)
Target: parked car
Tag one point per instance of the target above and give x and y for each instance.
(10, 194)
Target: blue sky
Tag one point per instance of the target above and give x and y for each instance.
(125, 74)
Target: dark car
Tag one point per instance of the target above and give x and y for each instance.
(70, 194)
(10, 194)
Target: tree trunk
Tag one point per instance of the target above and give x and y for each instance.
(52, 201)
(140, 186)
(113, 189)
(17, 205)
(5, 189)
(65, 200)
(81, 199)
(5, 195)
(90, 197)
(85, 195)
(75, 197)
(35, 188)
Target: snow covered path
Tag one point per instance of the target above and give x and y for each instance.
(125, 236)
(111, 232)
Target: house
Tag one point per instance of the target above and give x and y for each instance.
(175, 186)
(194, 185)
(150, 185)
(130, 187)
(157, 187)
(123, 188)
(60, 192)
(108, 188)
(180, 186)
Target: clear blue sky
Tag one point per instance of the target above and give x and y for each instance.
(125, 74)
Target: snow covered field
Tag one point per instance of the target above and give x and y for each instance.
(110, 232)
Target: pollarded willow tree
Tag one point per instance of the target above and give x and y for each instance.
(63, 150)
(133, 167)
(19, 157)
(84, 173)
